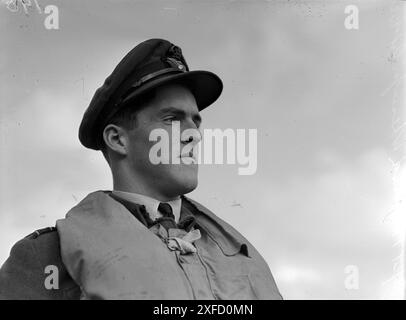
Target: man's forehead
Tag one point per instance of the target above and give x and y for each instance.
(173, 91)
(174, 97)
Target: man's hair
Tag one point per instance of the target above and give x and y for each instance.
(127, 116)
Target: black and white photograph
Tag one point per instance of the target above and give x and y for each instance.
(202, 150)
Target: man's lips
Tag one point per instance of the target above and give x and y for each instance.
(187, 155)
(190, 156)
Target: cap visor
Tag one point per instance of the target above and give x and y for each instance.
(204, 85)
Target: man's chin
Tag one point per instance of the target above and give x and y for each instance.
(190, 188)
(175, 181)
(179, 188)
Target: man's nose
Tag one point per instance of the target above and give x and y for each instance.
(191, 134)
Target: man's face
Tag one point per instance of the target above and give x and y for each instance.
(173, 104)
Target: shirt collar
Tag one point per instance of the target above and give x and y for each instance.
(151, 204)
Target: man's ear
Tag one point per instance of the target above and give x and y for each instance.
(115, 139)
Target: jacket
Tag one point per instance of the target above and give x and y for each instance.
(226, 265)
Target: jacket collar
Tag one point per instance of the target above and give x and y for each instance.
(226, 237)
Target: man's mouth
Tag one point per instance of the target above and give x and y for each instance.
(189, 157)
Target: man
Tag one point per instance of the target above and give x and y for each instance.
(144, 239)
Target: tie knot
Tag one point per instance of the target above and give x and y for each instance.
(166, 210)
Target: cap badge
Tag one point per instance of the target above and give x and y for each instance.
(176, 64)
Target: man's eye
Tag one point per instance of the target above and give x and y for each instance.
(171, 118)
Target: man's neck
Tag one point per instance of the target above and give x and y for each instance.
(129, 186)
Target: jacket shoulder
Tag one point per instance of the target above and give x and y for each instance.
(34, 261)
(39, 232)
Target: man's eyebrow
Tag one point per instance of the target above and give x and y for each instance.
(171, 110)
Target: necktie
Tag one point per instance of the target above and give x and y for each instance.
(166, 210)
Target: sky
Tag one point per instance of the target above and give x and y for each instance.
(324, 100)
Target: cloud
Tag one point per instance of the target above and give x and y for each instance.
(322, 193)
(310, 226)
(43, 166)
